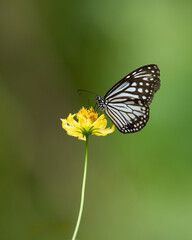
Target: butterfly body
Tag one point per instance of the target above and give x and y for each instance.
(127, 102)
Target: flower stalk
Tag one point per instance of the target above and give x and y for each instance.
(82, 193)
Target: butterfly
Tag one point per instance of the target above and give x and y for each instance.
(127, 102)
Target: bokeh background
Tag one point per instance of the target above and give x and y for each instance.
(138, 185)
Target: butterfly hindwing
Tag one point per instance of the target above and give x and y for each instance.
(128, 117)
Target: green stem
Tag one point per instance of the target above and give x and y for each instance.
(82, 193)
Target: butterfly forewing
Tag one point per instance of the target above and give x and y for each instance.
(127, 102)
(139, 84)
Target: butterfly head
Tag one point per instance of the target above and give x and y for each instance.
(101, 102)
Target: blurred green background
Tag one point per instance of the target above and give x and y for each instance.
(138, 185)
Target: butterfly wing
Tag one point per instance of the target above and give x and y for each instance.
(128, 117)
(128, 101)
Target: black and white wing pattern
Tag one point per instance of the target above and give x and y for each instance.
(127, 102)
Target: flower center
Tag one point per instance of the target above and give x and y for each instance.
(88, 114)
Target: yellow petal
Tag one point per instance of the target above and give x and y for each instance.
(82, 121)
(101, 122)
(82, 138)
(71, 121)
(104, 131)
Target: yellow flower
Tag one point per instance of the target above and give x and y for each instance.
(86, 123)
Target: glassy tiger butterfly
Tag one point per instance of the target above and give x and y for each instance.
(127, 102)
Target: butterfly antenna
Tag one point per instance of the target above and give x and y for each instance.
(80, 91)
